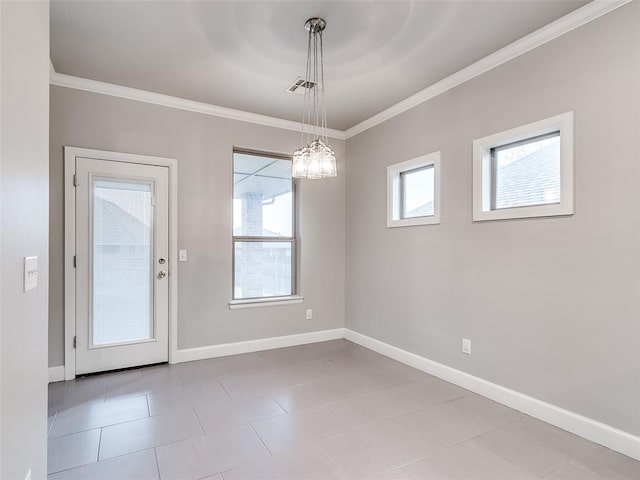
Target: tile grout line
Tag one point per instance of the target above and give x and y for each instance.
(349, 396)
(261, 419)
(326, 407)
(225, 389)
(406, 464)
(124, 397)
(97, 427)
(385, 419)
(70, 468)
(195, 412)
(100, 426)
(251, 462)
(326, 454)
(286, 412)
(99, 446)
(571, 462)
(155, 454)
(55, 417)
(162, 444)
(568, 461)
(261, 440)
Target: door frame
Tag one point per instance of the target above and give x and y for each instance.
(70, 155)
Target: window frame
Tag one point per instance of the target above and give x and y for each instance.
(293, 239)
(395, 191)
(484, 169)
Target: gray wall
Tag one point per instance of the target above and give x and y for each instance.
(551, 305)
(203, 146)
(24, 226)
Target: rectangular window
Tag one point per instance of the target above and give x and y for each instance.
(264, 244)
(413, 192)
(525, 172)
(417, 193)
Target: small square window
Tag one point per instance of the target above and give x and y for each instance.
(416, 197)
(413, 190)
(525, 172)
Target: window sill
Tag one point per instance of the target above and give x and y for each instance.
(265, 302)
(533, 211)
(412, 222)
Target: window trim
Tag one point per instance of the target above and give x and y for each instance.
(265, 302)
(484, 170)
(395, 191)
(293, 297)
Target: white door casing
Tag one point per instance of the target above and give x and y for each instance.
(93, 341)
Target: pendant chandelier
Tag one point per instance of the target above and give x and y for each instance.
(314, 159)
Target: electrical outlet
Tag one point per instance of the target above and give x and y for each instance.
(309, 314)
(466, 346)
(182, 256)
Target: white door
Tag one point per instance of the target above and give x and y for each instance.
(122, 248)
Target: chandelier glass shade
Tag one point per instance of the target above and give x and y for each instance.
(314, 159)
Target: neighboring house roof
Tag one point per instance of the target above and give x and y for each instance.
(531, 180)
(421, 211)
(116, 226)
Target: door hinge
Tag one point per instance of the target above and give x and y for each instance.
(75, 180)
(74, 341)
(74, 261)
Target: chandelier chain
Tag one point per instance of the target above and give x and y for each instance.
(314, 159)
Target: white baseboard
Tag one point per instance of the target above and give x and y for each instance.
(585, 427)
(588, 428)
(56, 374)
(225, 349)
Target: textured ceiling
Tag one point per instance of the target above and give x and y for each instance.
(244, 54)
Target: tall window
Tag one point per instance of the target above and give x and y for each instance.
(264, 233)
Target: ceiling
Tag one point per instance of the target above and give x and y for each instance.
(244, 54)
(253, 174)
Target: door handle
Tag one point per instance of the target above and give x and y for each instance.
(162, 274)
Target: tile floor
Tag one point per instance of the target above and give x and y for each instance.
(329, 410)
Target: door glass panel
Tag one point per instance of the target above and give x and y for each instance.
(122, 262)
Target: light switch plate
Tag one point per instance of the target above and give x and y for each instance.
(182, 255)
(30, 273)
(466, 346)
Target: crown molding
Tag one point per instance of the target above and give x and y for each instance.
(589, 12)
(569, 22)
(103, 88)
